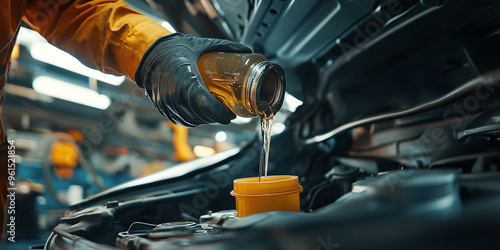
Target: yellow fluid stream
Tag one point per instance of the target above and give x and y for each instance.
(266, 123)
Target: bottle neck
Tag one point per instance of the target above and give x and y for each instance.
(265, 88)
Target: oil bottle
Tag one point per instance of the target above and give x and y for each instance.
(246, 83)
(249, 85)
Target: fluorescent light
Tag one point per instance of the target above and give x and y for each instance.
(202, 151)
(47, 53)
(220, 136)
(70, 92)
(27, 93)
(27, 37)
(292, 102)
(359, 189)
(168, 26)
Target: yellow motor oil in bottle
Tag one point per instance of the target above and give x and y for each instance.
(249, 85)
(246, 83)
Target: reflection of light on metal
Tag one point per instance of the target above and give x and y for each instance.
(278, 128)
(48, 53)
(168, 26)
(202, 151)
(220, 136)
(358, 189)
(27, 93)
(70, 92)
(241, 120)
(292, 102)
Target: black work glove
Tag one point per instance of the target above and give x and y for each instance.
(169, 73)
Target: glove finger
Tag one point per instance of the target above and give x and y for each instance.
(187, 97)
(190, 99)
(227, 46)
(171, 114)
(202, 46)
(182, 113)
(207, 107)
(177, 120)
(174, 97)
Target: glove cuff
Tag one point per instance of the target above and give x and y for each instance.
(141, 78)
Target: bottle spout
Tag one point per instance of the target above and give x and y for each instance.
(268, 87)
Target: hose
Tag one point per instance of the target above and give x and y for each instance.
(427, 106)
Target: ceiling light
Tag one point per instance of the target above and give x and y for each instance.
(27, 37)
(47, 53)
(70, 92)
(27, 93)
(220, 136)
(203, 151)
(168, 26)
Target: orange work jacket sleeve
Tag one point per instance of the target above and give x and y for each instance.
(103, 34)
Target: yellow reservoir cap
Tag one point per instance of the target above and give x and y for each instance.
(276, 193)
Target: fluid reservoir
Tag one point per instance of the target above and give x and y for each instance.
(276, 193)
(245, 83)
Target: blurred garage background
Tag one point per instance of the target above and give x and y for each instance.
(78, 131)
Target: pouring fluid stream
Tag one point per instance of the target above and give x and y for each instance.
(266, 123)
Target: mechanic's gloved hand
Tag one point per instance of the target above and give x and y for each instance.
(169, 73)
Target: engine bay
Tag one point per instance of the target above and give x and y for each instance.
(443, 207)
(396, 145)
